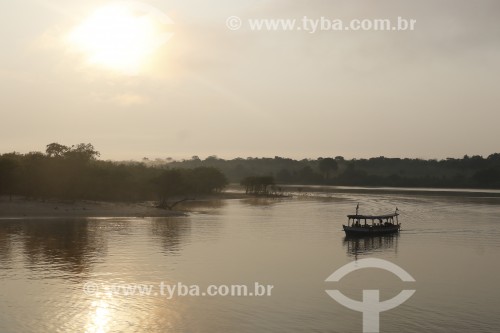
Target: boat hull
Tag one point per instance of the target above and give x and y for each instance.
(370, 230)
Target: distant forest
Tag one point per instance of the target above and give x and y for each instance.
(467, 172)
(76, 172)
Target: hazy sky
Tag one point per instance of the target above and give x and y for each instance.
(431, 93)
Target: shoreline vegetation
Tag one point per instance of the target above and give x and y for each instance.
(469, 172)
(74, 173)
(21, 207)
(73, 181)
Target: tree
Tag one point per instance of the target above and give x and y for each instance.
(487, 178)
(306, 175)
(8, 172)
(171, 183)
(327, 166)
(56, 150)
(284, 176)
(206, 180)
(257, 185)
(83, 151)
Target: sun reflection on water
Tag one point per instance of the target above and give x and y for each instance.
(99, 317)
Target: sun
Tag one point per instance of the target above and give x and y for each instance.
(121, 37)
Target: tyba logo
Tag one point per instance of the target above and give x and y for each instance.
(371, 306)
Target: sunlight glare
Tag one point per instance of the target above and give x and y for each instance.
(116, 37)
(100, 317)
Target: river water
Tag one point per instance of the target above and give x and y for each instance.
(79, 275)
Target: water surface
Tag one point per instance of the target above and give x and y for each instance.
(449, 244)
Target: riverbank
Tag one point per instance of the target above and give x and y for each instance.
(22, 207)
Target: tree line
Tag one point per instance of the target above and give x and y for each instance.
(75, 172)
(467, 172)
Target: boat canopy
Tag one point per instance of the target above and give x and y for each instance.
(372, 217)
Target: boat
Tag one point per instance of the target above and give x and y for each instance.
(372, 225)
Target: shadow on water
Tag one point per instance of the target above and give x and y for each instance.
(74, 246)
(263, 201)
(202, 206)
(171, 232)
(5, 246)
(69, 245)
(358, 246)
